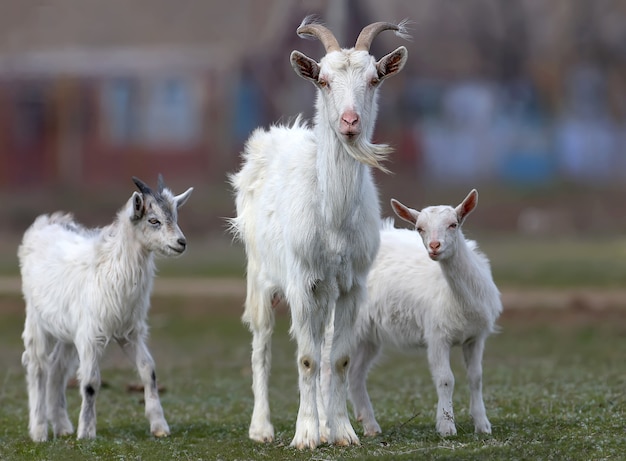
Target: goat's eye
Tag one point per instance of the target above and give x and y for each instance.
(453, 225)
(154, 222)
(323, 82)
(374, 81)
(420, 230)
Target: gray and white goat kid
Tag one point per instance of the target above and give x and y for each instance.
(308, 214)
(84, 288)
(431, 288)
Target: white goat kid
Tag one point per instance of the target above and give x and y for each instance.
(84, 287)
(437, 292)
(308, 214)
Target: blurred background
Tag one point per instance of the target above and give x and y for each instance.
(523, 99)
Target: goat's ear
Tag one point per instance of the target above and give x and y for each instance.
(404, 212)
(182, 198)
(304, 66)
(392, 63)
(467, 205)
(138, 208)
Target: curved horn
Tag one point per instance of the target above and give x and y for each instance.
(368, 34)
(322, 33)
(142, 186)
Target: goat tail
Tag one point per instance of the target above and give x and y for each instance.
(387, 224)
(59, 217)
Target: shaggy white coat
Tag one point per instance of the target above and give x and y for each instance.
(428, 288)
(83, 288)
(308, 214)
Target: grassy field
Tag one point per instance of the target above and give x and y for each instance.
(555, 383)
(516, 260)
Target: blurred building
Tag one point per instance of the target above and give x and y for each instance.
(93, 91)
(515, 91)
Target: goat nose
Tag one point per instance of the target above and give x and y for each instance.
(182, 242)
(350, 118)
(435, 245)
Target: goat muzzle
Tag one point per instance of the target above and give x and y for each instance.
(350, 124)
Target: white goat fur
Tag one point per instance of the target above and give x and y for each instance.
(308, 213)
(435, 291)
(84, 287)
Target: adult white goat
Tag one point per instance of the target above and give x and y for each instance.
(308, 213)
(435, 292)
(84, 287)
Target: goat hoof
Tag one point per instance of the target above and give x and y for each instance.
(303, 444)
(63, 428)
(86, 436)
(446, 430)
(262, 434)
(347, 442)
(160, 429)
(65, 433)
(39, 434)
(371, 430)
(307, 434)
(266, 439)
(345, 435)
(483, 428)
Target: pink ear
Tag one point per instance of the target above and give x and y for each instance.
(404, 212)
(467, 205)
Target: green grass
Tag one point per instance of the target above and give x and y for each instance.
(554, 385)
(515, 260)
(552, 262)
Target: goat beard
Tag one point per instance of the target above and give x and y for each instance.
(369, 153)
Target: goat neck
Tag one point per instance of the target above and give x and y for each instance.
(341, 178)
(466, 275)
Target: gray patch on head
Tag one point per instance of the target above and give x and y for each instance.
(166, 205)
(161, 201)
(163, 198)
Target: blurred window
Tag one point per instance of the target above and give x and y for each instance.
(172, 113)
(159, 112)
(120, 106)
(30, 115)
